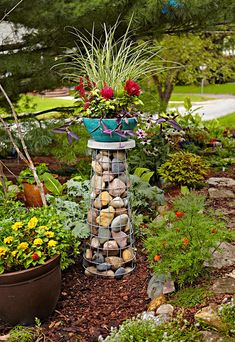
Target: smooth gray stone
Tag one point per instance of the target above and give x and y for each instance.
(119, 273)
(103, 267)
(104, 234)
(117, 166)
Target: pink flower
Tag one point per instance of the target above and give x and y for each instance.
(132, 88)
(107, 92)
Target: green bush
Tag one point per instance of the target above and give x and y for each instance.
(184, 239)
(140, 330)
(184, 168)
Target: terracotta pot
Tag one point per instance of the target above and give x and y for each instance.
(32, 195)
(30, 293)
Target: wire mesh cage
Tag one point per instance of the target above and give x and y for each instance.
(110, 251)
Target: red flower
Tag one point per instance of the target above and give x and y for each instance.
(179, 214)
(132, 88)
(107, 92)
(80, 88)
(185, 242)
(35, 256)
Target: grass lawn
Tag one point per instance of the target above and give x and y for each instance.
(43, 103)
(227, 120)
(227, 88)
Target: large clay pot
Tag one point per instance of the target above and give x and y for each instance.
(32, 195)
(30, 293)
(95, 128)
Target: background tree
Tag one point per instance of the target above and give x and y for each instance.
(182, 56)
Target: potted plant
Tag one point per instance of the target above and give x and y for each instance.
(106, 72)
(34, 247)
(31, 191)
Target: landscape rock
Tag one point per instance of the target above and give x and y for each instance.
(106, 216)
(220, 193)
(97, 184)
(125, 201)
(115, 261)
(117, 166)
(88, 254)
(128, 269)
(111, 248)
(104, 235)
(155, 285)
(128, 254)
(117, 202)
(119, 222)
(121, 238)
(103, 267)
(168, 287)
(105, 162)
(165, 309)
(224, 256)
(98, 258)
(221, 181)
(120, 272)
(109, 273)
(91, 270)
(96, 167)
(224, 285)
(102, 200)
(210, 317)
(91, 216)
(117, 187)
(119, 155)
(108, 176)
(95, 243)
(121, 211)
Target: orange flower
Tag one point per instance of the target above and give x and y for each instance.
(157, 257)
(185, 242)
(179, 214)
(214, 231)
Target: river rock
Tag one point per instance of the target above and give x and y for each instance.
(103, 267)
(95, 243)
(119, 273)
(156, 302)
(125, 201)
(117, 202)
(108, 176)
(98, 258)
(91, 216)
(102, 200)
(124, 178)
(127, 228)
(111, 248)
(106, 216)
(120, 238)
(117, 187)
(105, 153)
(104, 235)
(117, 166)
(224, 285)
(128, 254)
(88, 254)
(96, 167)
(210, 317)
(128, 269)
(119, 155)
(97, 184)
(165, 309)
(115, 261)
(121, 211)
(110, 274)
(91, 270)
(105, 162)
(119, 222)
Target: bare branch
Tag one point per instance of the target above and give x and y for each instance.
(12, 9)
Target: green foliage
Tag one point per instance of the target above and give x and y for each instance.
(142, 330)
(185, 238)
(33, 237)
(145, 197)
(227, 313)
(184, 168)
(190, 297)
(51, 183)
(26, 175)
(23, 334)
(143, 173)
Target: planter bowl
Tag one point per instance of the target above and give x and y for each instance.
(95, 129)
(30, 293)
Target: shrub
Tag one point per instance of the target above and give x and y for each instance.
(184, 168)
(185, 238)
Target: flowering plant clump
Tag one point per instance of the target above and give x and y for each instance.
(107, 102)
(33, 238)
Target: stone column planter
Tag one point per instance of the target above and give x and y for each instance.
(110, 251)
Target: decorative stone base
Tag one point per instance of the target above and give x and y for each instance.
(110, 251)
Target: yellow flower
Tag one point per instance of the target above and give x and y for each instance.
(52, 243)
(38, 242)
(8, 239)
(50, 234)
(2, 251)
(44, 227)
(23, 245)
(33, 222)
(17, 225)
(14, 253)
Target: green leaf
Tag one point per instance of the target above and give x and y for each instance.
(52, 184)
